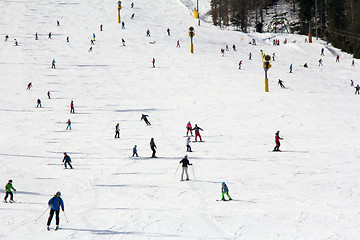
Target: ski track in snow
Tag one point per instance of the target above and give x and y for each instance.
(309, 191)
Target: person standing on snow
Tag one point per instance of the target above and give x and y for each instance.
(234, 47)
(353, 63)
(48, 94)
(94, 37)
(322, 52)
(357, 88)
(123, 25)
(135, 151)
(224, 190)
(197, 132)
(53, 63)
(49, 36)
(36, 36)
(55, 203)
(250, 55)
(185, 162)
(68, 124)
(144, 117)
(188, 128)
(351, 83)
(38, 103)
(117, 131)
(277, 141)
(6, 38)
(240, 63)
(320, 62)
(72, 109)
(8, 191)
(168, 31)
(153, 147)
(153, 62)
(67, 160)
(178, 43)
(291, 68)
(101, 26)
(337, 58)
(188, 148)
(29, 86)
(148, 33)
(123, 42)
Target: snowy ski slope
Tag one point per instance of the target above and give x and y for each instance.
(309, 191)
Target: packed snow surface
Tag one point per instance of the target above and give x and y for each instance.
(311, 190)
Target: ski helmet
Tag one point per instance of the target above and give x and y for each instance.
(10, 180)
(58, 193)
(223, 183)
(135, 146)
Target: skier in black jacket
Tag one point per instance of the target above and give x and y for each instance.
(144, 117)
(185, 162)
(153, 147)
(67, 160)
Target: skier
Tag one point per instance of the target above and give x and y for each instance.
(49, 36)
(68, 124)
(36, 36)
(153, 62)
(277, 141)
(67, 39)
(222, 51)
(197, 133)
(322, 52)
(337, 58)
(234, 47)
(29, 86)
(168, 31)
(132, 16)
(291, 68)
(72, 109)
(53, 63)
(117, 131)
(16, 42)
(226, 47)
(188, 147)
(352, 83)
(38, 102)
(178, 43)
(6, 38)
(90, 49)
(101, 26)
(144, 117)
(273, 56)
(357, 88)
(94, 37)
(57, 23)
(8, 191)
(123, 42)
(353, 63)
(132, 5)
(122, 25)
(185, 163)
(48, 94)
(320, 62)
(153, 147)
(280, 82)
(148, 33)
(188, 128)
(67, 160)
(249, 55)
(55, 203)
(224, 190)
(240, 64)
(135, 151)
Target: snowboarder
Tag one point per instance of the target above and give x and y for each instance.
(8, 191)
(178, 43)
(322, 52)
(197, 133)
(351, 83)
(90, 49)
(55, 203)
(337, 58)
(240, 63)
(144, 117)
(185, 162)
(29, 86)
(353, 63)
(38, 103)
(250, 55)
(153, 62)
(94, 37)
(49, 36)
(132, 16)
(291, 68)
(224, 190)
(117, 131)
(48, 94)
(36, 36)
(148, 33)
(320, 62)
(123, 42)
(67, 160)
(357, 88)
(101, 26)
(68, 124)
(122, 25)
(53, 63)
(277, 141)
(72, 109)
(234, 47)
(188, 147)
(16, 42)
(6, 38)
(153, 147)
(280, 82)
(67, 39)
(168, 31)
(188, 128)
(135, 151)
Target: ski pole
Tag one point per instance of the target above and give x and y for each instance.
(42, 213)
(287, 142)
(176, 170)
(65, 216)
(193, 171)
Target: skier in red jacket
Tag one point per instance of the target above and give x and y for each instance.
(277, 141)
(197, 132)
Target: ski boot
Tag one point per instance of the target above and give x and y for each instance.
(48, 228)
(57, 227)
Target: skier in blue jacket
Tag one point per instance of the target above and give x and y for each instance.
(225, 190)
(55, 203)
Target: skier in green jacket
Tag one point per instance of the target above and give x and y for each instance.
(8, 191)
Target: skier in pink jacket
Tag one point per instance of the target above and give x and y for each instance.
(188, 128)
